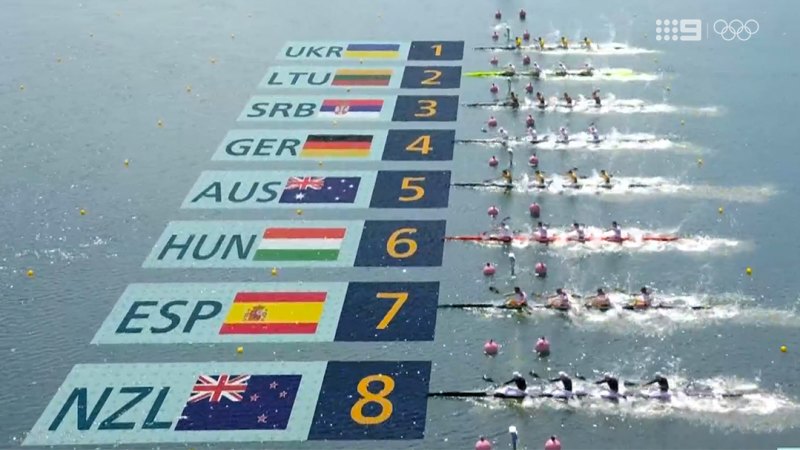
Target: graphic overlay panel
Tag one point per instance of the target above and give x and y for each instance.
(405, 243)
(256, 244)
(327, 51)
(433, 77)
(411, 189)
(419, 145)
(436, 51)
(335, 145)
(389, 312)
(181, 402)
(372, 400)
(374, 51)
(348, 108)
(426, 108)
(190, 313)
(354, 77)
(281, 190)
(172, 313)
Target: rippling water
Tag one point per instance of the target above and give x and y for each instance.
(84, 84)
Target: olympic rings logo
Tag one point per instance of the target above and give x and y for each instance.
(736, 29)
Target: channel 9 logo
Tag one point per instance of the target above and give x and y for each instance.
(679, 30)
(691, 30)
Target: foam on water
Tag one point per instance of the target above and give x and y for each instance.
(626, 187)
(610, 105)
(755, 409)
(725, 308)
(599, 49)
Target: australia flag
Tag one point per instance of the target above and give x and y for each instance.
(240, 402)
(320, 190)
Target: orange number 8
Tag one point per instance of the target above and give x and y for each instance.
(367, 397)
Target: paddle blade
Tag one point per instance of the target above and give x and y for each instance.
(487, 379)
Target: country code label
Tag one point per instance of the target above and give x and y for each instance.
(182, 313)
(351, 108)
(236, 402)
(411, 77)
(372, 51)
(338, 145)
(294, 243)
(314, 189)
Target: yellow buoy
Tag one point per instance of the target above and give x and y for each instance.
(188, 88)
(319, 163)
(299, 212)
(669, 88)
(58, 60)
(31, 273)
(683, 122)
(126, 162)
(160, 123)
(213, 60)
(21, 87)
(233, 36)
(699, 161)
(721, 210)
(82, 212)
(239, 349)
(274, 271)
(783, 349)
(748, 271)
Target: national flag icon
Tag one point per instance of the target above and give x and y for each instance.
(351, 108)
(274, 313)
(309, 190)
(372, 51)
(240, 402)
(362, 77)
(300, 244)
(337, 146)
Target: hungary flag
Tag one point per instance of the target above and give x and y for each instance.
(300, 244)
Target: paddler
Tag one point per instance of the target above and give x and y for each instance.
(587, 70)
(580, 233)
(559, 301)
(572, 176)
(514, 101)
(613, 385)
(563, 135)
(600, 301)
(566, 383)
(587, 43)
(540, 100)
(518, 301)
(518, 380)
(533, 137)
(644, 300)
(568, 100)
(518, 42)
(541, 232)
(615, 228)
(508, 177)
(510, 70)
(564, 43)
(536, 71)
(663, 386)
(562, 70)
(594, 133)
(540, 182)
(541, 43)
(606, 178)
(596, 98)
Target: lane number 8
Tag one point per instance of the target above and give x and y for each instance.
(378, 398)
